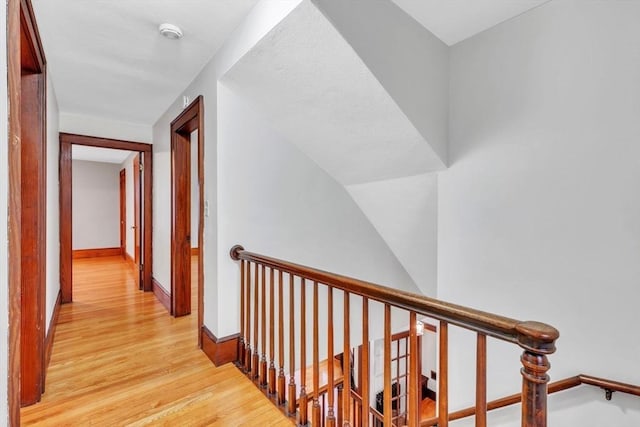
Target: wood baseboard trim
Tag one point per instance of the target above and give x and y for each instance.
(128, 258)
(51, 333)
(195, 251)
(161, 294)
(96, 252)
(219, 351)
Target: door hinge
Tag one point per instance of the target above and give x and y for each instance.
(141, 266)
(141, 167)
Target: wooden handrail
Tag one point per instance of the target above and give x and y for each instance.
(534, 336)
(610, 384)
(554, 387)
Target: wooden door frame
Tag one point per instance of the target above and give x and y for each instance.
(25, 56)
(123, 211)
(66, 141)
(136, 213)
(191, 119)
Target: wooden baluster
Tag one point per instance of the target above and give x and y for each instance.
(387, 366)
(256, 307)
(247, 355)
(281, 378)
(240, 352)
(292, 349)
(272, 366)
(481, 381)
(340, 401)
(331, 420)
(365, 404)
(414, 372)
(346, 364)
(263, 341)
(443, 384)
(315, 415)
(302, 402)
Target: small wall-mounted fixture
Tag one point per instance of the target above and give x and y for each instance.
(170, 31)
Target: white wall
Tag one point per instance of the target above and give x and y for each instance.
(104, 128)
(96, 205)
(264, 16)
(274, 200)
(129, 232)
(4, 179)
(53, 206)
(408, 60)
(539, 213)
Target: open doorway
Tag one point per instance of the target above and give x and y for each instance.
(70, 245)
(187, 146)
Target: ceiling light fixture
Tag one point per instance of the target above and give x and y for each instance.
(170, 31)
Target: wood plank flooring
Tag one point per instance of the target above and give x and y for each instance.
(120, 359)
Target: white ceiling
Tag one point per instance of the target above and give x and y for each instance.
(455, 20)
(316, 91)
(98, 154)
(107, 59)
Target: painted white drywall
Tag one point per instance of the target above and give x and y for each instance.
(539, 212)
(321, 96)
(404, 212)
(127, 165)
(262, 18)
(53, 206)
(273, 199)
(95, 205)
(104, 128)
(409, 62)
(4, 274)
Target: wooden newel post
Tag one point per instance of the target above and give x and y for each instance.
(537, 340)
(534, 389)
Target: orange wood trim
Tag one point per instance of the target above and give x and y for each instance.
(27, 204)
(93, 141)
(195, 251)
(53, 323)
(161, 294)
(610, 384)
(536, 337)
(96, 252)
(147, 213)
(219, 351)
(554, 387)
(66, 232)
(123, 209)
(189, 120)
(15, 201)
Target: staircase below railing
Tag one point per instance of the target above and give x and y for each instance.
(273, 290)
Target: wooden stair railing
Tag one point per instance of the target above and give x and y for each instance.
(352, 407)
(609, 386)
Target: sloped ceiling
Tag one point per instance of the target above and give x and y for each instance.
(313, 87)
(107, 58)
(455, 20)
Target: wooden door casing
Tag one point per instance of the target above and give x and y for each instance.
(123, 212)
(188, 121)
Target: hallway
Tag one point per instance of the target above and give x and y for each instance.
(120, 359)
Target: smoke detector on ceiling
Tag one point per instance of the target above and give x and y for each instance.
(170, 31)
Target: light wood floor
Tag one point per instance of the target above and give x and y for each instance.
(120, 359)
